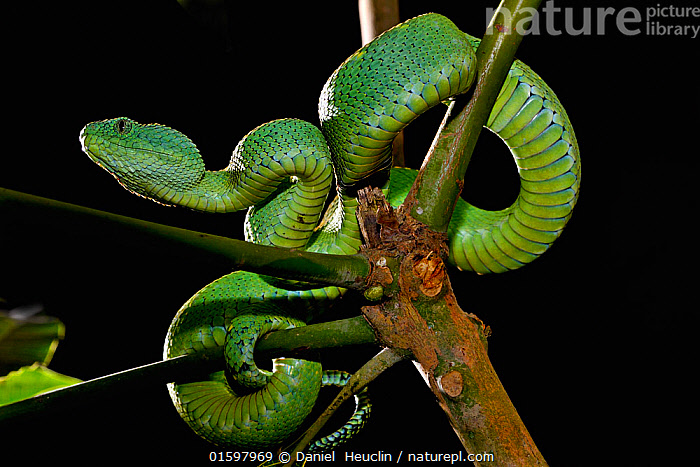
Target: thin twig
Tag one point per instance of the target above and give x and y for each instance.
(384, 360)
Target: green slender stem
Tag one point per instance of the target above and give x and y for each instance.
(346, 271)
(134, 378)
(340, 333)
(290, 342)
(452, 148)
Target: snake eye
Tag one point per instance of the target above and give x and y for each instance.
(122, 126)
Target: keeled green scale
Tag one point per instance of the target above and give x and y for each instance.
(385, 85)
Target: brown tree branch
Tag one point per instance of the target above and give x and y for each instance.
(408, 249)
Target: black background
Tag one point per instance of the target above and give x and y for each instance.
(592, 341)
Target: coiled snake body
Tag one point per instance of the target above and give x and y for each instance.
(283, 171)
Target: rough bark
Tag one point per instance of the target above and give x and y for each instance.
(421, 315)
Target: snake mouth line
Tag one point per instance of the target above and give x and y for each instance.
(86, 148)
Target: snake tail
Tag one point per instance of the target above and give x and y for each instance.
(357, 420)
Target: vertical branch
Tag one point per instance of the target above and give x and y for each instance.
(376, 16)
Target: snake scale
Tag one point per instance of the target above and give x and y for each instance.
(282, 172)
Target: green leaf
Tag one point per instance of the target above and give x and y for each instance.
(29, 381)
(27, 337)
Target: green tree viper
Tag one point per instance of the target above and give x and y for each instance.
(282, 171)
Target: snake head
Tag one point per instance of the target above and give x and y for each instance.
(148, 160)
